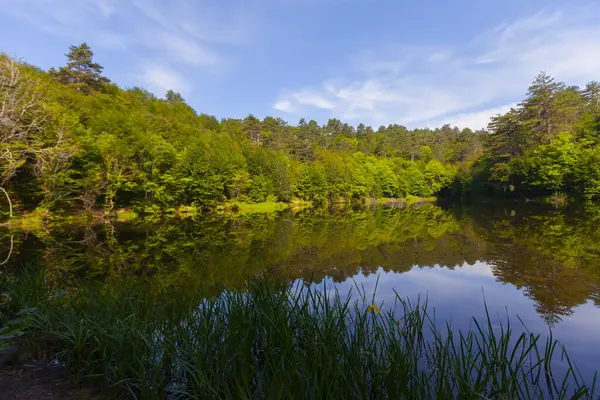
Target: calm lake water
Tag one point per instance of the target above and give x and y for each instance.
(532, 261)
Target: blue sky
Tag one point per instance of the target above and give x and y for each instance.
(415, 63)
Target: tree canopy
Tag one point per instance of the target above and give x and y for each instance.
(69, 138)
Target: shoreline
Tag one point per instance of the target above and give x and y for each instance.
(40, 219)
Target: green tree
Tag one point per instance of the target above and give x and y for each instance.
(311, 184)
(81, 72)
(173, 97)
(588, 173)
(540, 107)
(252, 129)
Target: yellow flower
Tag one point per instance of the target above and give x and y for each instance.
(373, 308)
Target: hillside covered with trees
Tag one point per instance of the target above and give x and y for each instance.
(71, 139)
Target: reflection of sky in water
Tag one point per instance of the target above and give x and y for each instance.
(457, 295)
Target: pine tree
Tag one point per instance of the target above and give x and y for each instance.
(539, 107)
(173, 97)
(507, 139)
(591, 94)
(81, 72)
(252, 129)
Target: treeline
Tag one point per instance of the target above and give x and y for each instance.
(549, 143)
(69, 138)
(73, 139)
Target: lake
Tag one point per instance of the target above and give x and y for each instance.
(528, 260)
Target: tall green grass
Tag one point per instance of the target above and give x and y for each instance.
(274, 342)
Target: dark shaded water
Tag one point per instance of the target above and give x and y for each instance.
(533, 261)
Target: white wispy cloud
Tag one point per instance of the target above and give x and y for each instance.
(150, 9)
(463, 85)
(187, 50)
(106, 7)
(475, 119)
(313, 99)
(183, 34)
(159, 79)
(283, 105)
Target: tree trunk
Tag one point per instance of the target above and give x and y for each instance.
(10, 213)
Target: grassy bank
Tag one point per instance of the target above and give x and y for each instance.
(400, 202)
(253, 208)
(42, 218)
(277, 342)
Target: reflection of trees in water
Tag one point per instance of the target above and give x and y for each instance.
(554, 256)
(555, 289)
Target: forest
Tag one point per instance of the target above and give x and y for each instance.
(70, 139)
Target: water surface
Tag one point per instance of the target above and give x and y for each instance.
(537, 262)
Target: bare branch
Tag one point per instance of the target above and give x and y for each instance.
(20, 116)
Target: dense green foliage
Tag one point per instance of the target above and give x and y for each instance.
(295, 342)
(71, 139)
(549, 143)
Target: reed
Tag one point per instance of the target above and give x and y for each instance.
(291, 341)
